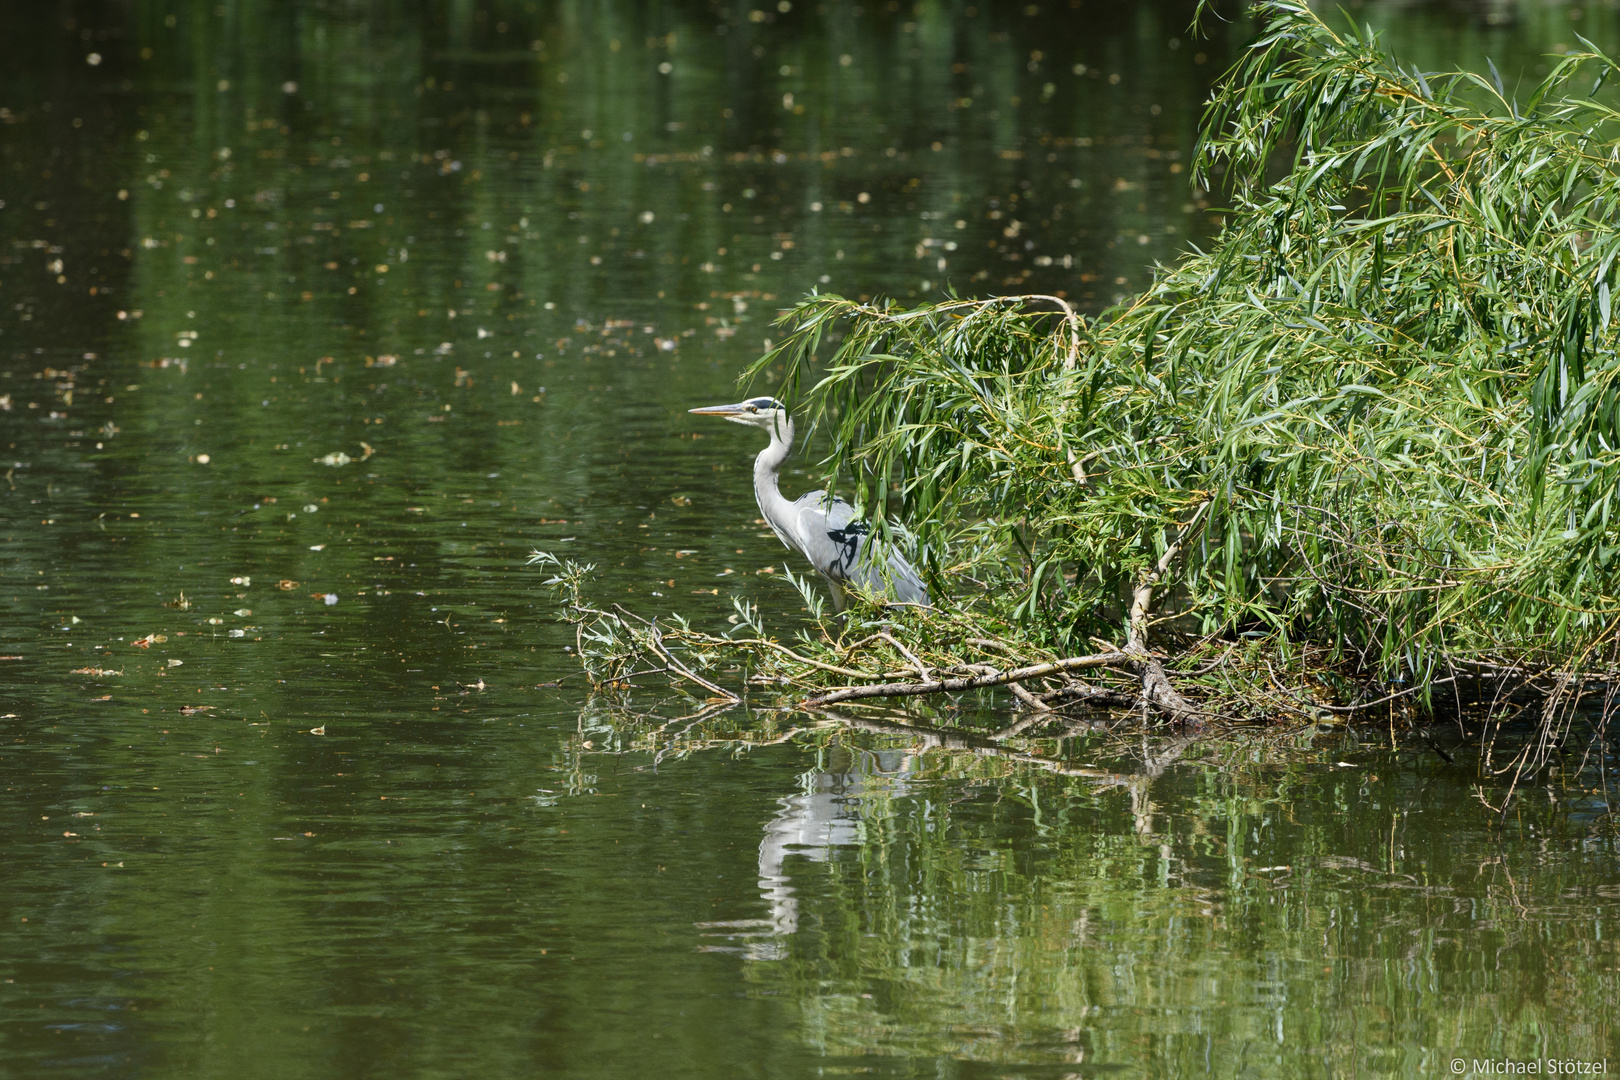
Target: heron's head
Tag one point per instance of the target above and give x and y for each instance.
(761, 412)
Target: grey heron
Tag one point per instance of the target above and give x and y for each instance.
(821, 527)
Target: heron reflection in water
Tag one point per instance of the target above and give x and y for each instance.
(821, 527)
(813, 824)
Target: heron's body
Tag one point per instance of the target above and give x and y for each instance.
(821, 527)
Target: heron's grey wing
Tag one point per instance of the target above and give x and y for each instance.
(839, 545)
(831, 534)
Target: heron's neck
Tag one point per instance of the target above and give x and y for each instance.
(777, 510)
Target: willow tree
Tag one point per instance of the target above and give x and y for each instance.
(1379, 416)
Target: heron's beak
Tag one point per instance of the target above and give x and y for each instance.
(719, 410)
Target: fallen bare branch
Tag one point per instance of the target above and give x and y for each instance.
(972, 682)
(1030, 700)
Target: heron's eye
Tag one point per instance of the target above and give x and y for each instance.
(753, 408)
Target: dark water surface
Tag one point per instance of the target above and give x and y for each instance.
(315, 318)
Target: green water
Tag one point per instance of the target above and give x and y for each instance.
(316, 318)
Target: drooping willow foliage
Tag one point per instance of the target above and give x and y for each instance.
(1381, 415)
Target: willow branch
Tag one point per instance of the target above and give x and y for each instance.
(656, 640)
